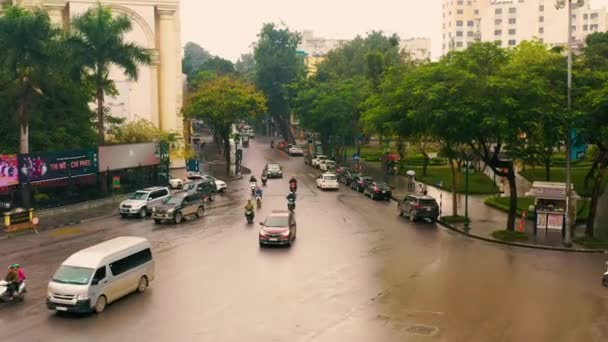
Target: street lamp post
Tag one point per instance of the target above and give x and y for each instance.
(466, 198)
(568, 233)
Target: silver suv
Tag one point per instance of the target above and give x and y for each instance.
(140, 202)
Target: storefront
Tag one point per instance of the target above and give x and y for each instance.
(550, 205)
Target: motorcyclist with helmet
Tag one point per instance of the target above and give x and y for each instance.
(293, 184)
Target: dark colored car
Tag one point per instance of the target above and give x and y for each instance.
(360, 182)
(341, 169)
(177, 206)
(273, 170)
(346, 177)
(204, 185)
(419, 206)
(279, 228)
(378, 190)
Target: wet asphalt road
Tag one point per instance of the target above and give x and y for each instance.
(357, 272)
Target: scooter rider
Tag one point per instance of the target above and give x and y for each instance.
(264, 177)
(293, 183)
(252, 179)
(12, 278)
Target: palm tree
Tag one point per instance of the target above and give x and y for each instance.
(28, 41)
(99, 37)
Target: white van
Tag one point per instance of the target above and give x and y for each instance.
(93, 277)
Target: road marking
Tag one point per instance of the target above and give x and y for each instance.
(311, 175)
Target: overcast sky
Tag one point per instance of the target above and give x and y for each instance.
(227, 28)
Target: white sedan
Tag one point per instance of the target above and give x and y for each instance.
(315, 161)
(219, 184)
(328, 181)
(295, 151)
(327, 165)
(176, 183)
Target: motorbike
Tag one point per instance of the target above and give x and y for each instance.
(249, 215)
(5, 295)
(258, 201)
(264, 180)
(252, 186)
(291, 204)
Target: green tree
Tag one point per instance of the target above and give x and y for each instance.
(591, 118)
(245, 67)
(194, 58)
(222, 102)
(277, 67)
(99, 40)
(27, 42)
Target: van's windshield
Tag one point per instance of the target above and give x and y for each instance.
(73, 275)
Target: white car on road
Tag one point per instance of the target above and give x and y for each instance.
(315, 161)
(176, 183)
(295, 151)
(219, 184)
(327, 165)
(328, 181)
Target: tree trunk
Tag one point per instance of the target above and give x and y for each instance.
(548, 168)
(512, 199)
(226, 139)
(24, 144)
(595, 195)
(425, 164)
(100, 115)
(454, 194)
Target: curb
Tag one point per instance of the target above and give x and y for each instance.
(516, 244)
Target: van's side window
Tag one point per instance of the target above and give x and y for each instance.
(131, 261)
(100, 274)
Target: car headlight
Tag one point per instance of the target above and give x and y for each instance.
(280, 171)
(49, 294)
(285, 233)
(262, 233)
(153, 209)
(82, 297)
(170, 211)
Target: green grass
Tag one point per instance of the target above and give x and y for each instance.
(591, 243)
(558, 174)
(453, 219)
(479, 183)
(509, 236)
(502, 204)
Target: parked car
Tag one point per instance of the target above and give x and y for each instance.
(359, 183)
(219, 184)
(204, 185)
(92, 278)
(378, 190)
(419, 206)
(279, 228)
(141, 202)
(295, 151)
(177, 206)
(328, 181)
(327, 165)
(308, 157)
(317, 159)
(245, 140)
(176, 183)
(346, 177)
(273, 170)
(341, 169)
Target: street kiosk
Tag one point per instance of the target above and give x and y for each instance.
(550, 205)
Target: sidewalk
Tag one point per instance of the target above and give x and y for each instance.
(484, 220)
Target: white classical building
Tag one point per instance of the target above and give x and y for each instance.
(157, 95)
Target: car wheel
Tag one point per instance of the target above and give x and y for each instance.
(412, 217)
(143, 284)
(157, 221)
(212, 196)
(143, 212)
(177, 219)
(200, 211)
(261, 244)
(100, 304)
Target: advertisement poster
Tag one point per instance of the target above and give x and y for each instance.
(119, 157)
(541, 220)
(555, 221)
(9, 174)
(47, 166)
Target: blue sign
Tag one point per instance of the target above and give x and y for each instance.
(192, 165)
(356, 156)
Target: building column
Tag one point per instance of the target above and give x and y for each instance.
(154, 113)
(168, 68)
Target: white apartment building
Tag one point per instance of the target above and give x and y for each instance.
(418, 48)
(509, 22)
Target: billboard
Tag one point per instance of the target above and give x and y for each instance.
(47, 166)
(119, 157)
(9, 174)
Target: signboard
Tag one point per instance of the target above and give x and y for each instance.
(9, 173)
(128, 156)
(555, 221)
(192, 165)
(541, 220)
(116, 182)
(356, 156)
(47, 166)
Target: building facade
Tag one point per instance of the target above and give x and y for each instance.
(418, 48)
(511, 21)
(157, 95)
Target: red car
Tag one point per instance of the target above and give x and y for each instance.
(279, 228)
